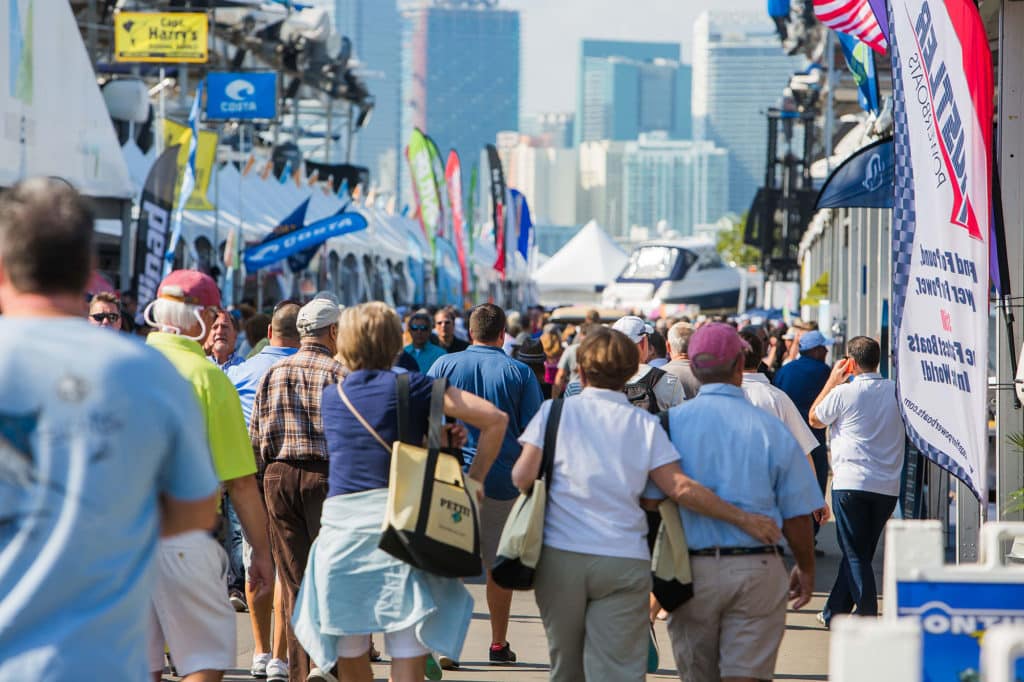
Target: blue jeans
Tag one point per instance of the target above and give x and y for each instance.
(233, 546)
(860, 518)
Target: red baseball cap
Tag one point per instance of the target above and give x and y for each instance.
(714, 345)
(191, 287)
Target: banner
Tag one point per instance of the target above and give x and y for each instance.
(525, 225)
(188, 182)
(861, 62)
(161, 37)
(424, 185)
(436, 162)
(943, 91)
(233, 96)
(179, 135)
(453, 179)
(154, 225)
(311, 236)
(497, 182)
(864, 180)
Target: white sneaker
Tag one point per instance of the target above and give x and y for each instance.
(259, 665)
(277, 670)
(320, 675)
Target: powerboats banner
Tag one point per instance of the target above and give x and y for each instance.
(497, 181)
(942, 80)
(154, 225)
(453, 179)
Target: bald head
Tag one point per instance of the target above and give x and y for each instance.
(283, 330)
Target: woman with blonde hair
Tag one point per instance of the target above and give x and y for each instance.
(352, 588)
(553, 349)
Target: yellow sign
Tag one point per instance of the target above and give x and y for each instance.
(206, 153)
(817, 292)
(161, 37)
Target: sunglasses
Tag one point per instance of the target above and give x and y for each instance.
(418, 328)
(106, 317)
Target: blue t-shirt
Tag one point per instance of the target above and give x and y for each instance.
(358, 461)
(94, 426)
(246, 375)
(802, 380)
(512, 386)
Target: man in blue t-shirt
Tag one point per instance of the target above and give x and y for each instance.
(483, 369)
(102, 449)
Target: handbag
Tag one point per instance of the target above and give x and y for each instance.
(670, 558)
(523, 535)
(431, 519)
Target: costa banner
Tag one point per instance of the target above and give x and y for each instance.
(942, 77)
(497, 181)
(154, 225)
(424, 184)
(453, 178)
(309, 237)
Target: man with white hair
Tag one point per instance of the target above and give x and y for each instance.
(651, 388)
(190, 608)
(679, 363)
(95, 464)
(287, 434)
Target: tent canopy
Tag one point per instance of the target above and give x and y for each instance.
(590, 259)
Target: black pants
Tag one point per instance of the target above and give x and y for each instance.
(860, 518)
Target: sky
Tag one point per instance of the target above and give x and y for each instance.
(551, 31)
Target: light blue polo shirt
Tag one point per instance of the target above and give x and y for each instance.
(745, 456)
(94, 427)
(246, 375)
(509, 384)
(425, 357)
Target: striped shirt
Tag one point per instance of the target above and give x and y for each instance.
(286, 421)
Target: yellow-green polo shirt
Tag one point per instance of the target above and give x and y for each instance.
(218, 400)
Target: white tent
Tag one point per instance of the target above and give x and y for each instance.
(57, 123)
(582, 267)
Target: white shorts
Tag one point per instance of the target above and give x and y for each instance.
(400, 644)
(189, 608)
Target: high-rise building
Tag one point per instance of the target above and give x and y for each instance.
(629, 88)
(552, 129)
(546, 175)
(375, 29)
(599, 194)
(739, 71)
(460, 74)
(677, 184)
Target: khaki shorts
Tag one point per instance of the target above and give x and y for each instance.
(493, 514)
(734, 624)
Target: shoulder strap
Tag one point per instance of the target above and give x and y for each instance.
(663, 418)
(436, 420)
(362, 420)
(653, 376)
(551, 439)
(402, 406)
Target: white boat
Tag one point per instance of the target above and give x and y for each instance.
(683, 274)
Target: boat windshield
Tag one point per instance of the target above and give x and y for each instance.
(658, 263)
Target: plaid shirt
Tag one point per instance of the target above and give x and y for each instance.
(286, 420)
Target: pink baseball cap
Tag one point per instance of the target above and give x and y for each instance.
(714, 345)
(191, 287)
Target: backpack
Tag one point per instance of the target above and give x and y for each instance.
(641, 393)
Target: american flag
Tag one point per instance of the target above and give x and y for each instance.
(855, 18)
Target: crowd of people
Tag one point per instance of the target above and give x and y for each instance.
(240, 461)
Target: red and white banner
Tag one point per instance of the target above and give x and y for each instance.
(942, 79)
(453, 176)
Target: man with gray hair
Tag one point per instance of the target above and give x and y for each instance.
(102, 450)
(190, 608)
(678, 339)
(286, 429)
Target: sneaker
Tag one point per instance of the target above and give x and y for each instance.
(820, 617)
(259, 665)
(277, 670)
(433, 669)
(321, 675)
(374, 654)
(447, 663)
(502, 654)
(237, 600)
(652, 652)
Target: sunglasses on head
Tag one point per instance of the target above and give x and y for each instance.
(106, 317)
(418, 328)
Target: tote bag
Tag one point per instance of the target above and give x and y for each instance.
(523, 534)
(431, 515)
(670, 558)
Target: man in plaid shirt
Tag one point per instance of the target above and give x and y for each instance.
(287, 437)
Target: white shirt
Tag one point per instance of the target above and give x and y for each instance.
(605, 450)
(866, 436)
(761, 393)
